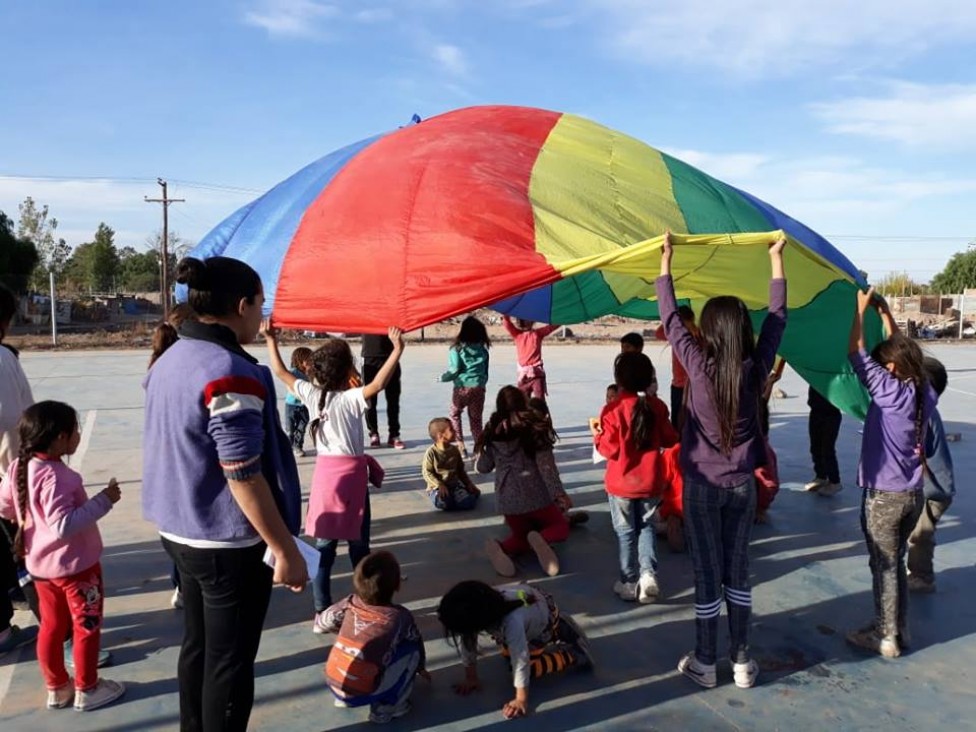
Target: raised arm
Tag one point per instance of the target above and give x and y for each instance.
(856, 341)
(278, 367)
(510, 326)
(881, 305)
(548, 330)
(774, 324)
(382, 377)
(685, 346)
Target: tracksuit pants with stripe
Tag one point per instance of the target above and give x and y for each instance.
(718, 524)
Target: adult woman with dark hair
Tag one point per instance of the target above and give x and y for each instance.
(221, 485)
(721, 446)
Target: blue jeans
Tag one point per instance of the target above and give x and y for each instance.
(358, 549)
(718, 524)
(631, 519)
(458, 499)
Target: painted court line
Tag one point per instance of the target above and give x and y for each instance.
(78, 459)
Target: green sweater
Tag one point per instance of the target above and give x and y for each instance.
(467, 365)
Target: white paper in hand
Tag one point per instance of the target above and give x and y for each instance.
(309, 553)
(597, 457)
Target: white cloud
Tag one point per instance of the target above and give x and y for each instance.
(727, 167)
(373, 15)
(759, 37)
(940, 116)
(290, 18)
(451, 59)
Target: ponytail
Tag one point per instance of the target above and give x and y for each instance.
(642, 420)
(21, 478)
(920, 422)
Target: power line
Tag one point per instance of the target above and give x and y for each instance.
(131, 181)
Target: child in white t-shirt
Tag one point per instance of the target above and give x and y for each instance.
(338, 506)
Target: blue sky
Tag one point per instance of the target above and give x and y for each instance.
(859, 119)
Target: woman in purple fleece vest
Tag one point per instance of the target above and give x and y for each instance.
(721, 446)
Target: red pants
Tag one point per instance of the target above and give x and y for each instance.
(74, 602)
(548, 521)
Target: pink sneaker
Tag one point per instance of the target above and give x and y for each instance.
(318, 627)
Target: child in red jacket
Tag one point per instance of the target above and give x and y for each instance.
(630, 434)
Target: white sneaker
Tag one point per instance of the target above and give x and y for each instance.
(318, 626)
(648, 589)
(830, 489)
(177, 599)
(814, 485)
(702, 674)
(298, 453)
(745, 674)
(61, 697)
(105, 692)
(626, 590)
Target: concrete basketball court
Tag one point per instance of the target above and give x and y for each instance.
(809, 568)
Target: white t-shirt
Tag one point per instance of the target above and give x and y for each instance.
(340, 428)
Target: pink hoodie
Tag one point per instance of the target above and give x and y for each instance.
(61, 537)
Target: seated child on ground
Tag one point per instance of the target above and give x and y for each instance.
(448, 484)
(535, 637)
(379, 649)
(517, 445)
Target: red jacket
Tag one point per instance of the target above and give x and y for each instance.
(632, 473)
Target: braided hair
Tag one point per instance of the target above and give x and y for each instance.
(330, 368)
(40, 425)
(634, 372)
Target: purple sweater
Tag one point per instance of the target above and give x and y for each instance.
(211, 415)
(889, 449)
(702, 459)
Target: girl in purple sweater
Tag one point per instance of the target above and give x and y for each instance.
(890, 469)
(721, 446)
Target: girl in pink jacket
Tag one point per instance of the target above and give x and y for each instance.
(58, 537)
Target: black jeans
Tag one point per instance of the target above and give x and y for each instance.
(296, 416)
(824, 426)
(225, 598)
(677, 404)
(392, 394)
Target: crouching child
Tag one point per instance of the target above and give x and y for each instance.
(379, 649)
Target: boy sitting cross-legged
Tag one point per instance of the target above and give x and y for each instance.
(448, 484)
(379, 649)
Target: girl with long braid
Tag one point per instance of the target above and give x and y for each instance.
(58, 536)
(890, 469)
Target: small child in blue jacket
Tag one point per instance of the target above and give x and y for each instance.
(938, 486)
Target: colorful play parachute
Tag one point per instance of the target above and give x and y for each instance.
(542, 215)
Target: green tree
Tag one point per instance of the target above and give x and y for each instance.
(36, 225)
(95, 265)
(139, 271)
(18, 256)
(899, 284)
(958, 275)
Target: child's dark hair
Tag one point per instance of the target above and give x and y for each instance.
(634, 372)
(613, 387)
(728, 342)
(541, 407)
(513, 420)
(909, 362)
(164, 336)
(218, 284)
(634, 340)
(472, 332)
(472, 607)
(377, 578)
(936, 374)
(686, 314)
(180, 313)
(8, 308)
(436, 426)
(299, 356)
(40, 425)
(329, 368)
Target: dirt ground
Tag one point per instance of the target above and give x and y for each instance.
(139, 335)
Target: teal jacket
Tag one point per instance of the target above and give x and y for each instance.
(467, 365)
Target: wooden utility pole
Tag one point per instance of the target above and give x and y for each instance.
(164, 278)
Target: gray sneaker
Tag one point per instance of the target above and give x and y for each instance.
(830, 489)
